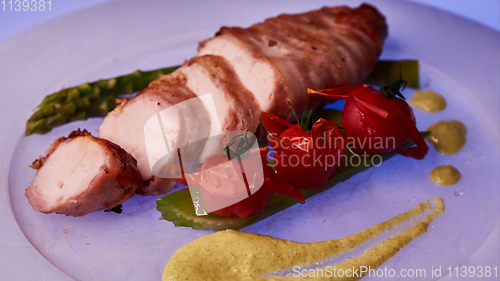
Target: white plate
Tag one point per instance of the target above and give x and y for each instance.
(459, 60)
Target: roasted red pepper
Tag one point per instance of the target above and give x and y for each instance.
(305, 159)
(377, 122)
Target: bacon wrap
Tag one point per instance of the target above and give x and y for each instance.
(253, 70)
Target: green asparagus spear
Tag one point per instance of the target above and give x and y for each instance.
(178, 208)
(386, 70)
(87, 100)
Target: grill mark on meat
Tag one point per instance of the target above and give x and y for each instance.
(307, 34)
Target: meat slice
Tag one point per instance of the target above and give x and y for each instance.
(125, 125)
(281, 57)
(256, 72)
(81, 174)
(236, 107)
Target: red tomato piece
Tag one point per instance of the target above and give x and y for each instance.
(305, 159)
(219, 180)
(376, 124)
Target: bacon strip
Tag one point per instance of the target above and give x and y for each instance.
(253, 70)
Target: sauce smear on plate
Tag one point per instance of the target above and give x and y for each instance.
(428, 101)
(447, 137)
(234, 255)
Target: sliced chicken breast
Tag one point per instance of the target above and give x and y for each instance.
(81, 174)
(126, 124)
(281, 57)
(255, 71)
(235, 106)
(248, 71)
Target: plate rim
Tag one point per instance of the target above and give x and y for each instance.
(8, 143)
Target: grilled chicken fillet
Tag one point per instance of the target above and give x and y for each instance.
(255, 69)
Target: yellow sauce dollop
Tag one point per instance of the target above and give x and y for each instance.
(447, 137)
(445, 175)
(428, 101)
(234, 255)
